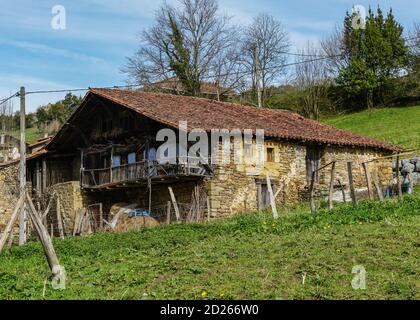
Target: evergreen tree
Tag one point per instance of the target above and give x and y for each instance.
(375, 54)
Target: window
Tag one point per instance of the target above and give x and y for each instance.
(270, 155)
(313, 161)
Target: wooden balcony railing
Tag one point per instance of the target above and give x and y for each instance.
(140, 171)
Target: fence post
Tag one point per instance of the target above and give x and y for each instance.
(312, 193)
(351, 183)
(368, 180)
(398, 180)
(330, 195)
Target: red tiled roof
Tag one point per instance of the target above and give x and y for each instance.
(207, 114)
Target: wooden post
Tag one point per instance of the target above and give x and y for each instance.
(399, 188)
(171, 192)
(351, 183)
(44, 174)
(43, 235)
(342, 190)
(168, 212)
(368, 180)
(378, 188)
(312, 193)
(330, 195)
(208, 209)
(22, 167)
(12, 221)
(101, 216)
(271, 194)
(59, 219)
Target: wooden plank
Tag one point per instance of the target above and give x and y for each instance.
(399, 187)
(312, 193)
(368, 180)
(351, 183)
(331, 191)
(59, 220)
(171, 192)
(271, 194)
(43, 235)
(12, 221)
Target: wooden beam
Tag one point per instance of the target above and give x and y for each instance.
(331, 192)
(12, 221)
(312, 193)
(351, 183)
(342, 190)
(368, 180)
(271, 194)
(171, 192)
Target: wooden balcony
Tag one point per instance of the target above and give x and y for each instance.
(139, 173)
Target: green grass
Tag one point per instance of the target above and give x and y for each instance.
(245, 257)
(32, 135)
(399, 126)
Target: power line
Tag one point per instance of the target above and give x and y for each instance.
(16, 94)
(80, 89)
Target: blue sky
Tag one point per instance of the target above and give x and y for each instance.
(101, 33)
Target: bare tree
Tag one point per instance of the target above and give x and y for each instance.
(333, 48)
(312, 80)
(265, 49)
(204, 33)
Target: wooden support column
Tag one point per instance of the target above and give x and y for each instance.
(171, 192)
(368, 180)
(272, 199)
(331, 192)
(312, 193)
(351, 183)
(342, 190)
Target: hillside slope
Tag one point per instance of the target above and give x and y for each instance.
(299, 256)
(395, 125)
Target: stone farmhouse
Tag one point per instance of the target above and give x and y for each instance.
(106, 154)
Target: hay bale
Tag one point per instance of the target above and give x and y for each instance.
(125, 223)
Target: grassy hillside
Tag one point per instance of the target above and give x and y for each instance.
(32, 135)
(299, 256)
(395, 125)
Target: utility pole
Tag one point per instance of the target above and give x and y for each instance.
(22, 167)
(258, 75)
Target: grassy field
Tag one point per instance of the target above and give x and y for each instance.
(32, 135)
(395, 125)
(299, 256)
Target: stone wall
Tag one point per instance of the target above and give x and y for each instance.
(8, 192)
(233, 191)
